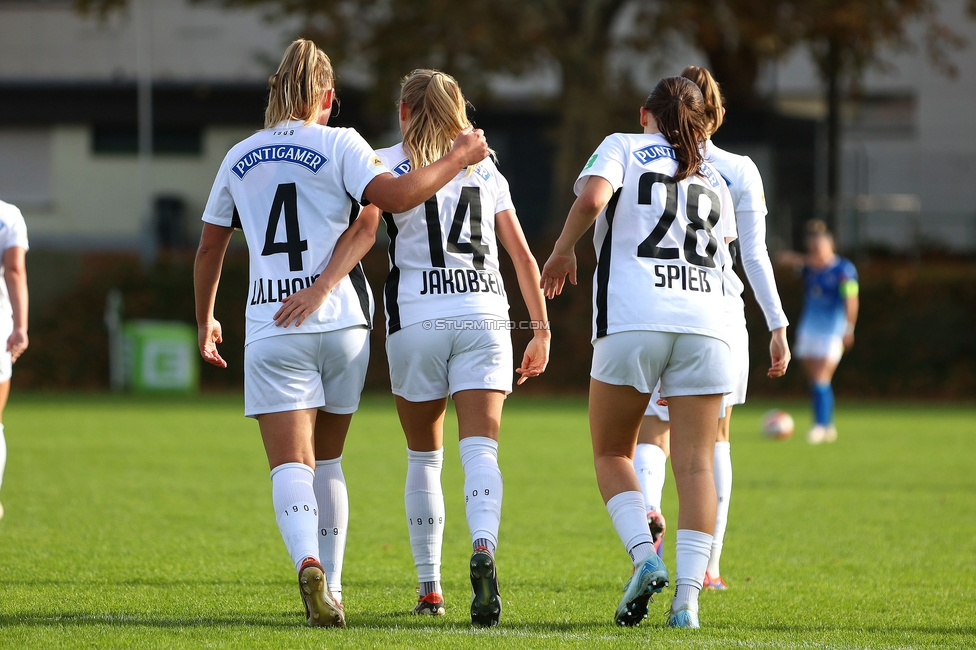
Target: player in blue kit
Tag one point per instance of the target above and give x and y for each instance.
(826, 329)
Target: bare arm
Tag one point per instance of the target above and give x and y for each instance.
(759, 271)
(758, 267)
(398, 194)
(509, 232)
(206, 277)
(587, 207)
(349, 250)
(15, 274)
(853, 304)
(791, 259)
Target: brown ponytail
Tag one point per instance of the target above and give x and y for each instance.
(677, 106)
(711, 95)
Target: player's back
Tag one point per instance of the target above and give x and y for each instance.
(294, 189)
(444, 253)
(660, 243)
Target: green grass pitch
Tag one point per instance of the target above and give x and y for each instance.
(148, 523)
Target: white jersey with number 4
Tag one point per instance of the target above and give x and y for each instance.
(444, 253)
(13, 232)
(296, 188)
(660, 244)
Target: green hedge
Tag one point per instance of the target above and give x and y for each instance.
(914, 337)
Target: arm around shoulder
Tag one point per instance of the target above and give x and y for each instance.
(402, 193)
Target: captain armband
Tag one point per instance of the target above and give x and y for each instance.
(849, 288)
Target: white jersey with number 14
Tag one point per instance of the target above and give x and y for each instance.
(444, 253)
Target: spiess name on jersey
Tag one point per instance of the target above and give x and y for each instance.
(692, 279)
(443, 281)
(267, 290)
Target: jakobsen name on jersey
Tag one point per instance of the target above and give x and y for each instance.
(307, 158)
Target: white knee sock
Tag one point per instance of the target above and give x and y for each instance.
(691, 549)
(3, 454)
(482, 489)
(723, 487)
(630, 521)
(424, 502)
(296, 510)
(333, 504)
(649, 463)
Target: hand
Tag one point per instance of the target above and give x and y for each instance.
(299, 306)
(848, 341)
(554, 273)
(535, 359)
(471, 145)
(779, 353)
(208, 336)
(16, 344)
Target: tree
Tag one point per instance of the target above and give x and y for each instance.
(583, 43)
(737, 37)
(475, 40)
(574, 39)
(847, 38)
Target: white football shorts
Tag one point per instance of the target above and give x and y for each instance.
(322, 370)
(814, 346)
(739, 355)
(686, 364)
(429, 364)
(739, 349)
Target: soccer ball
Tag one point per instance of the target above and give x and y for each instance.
(776, 425)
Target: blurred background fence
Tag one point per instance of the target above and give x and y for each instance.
(914, 338)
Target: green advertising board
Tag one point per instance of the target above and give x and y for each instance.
(160, 356)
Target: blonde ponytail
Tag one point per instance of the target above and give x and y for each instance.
(438, 112)
(297, 88)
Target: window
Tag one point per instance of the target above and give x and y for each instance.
(182, 140)
(25, 166)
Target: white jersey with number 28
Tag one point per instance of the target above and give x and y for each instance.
(296, 188)
(660, 244)
(443, 253)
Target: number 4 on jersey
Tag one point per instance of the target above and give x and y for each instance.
(285, 198)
